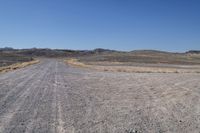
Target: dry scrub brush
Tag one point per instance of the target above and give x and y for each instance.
(17, 66)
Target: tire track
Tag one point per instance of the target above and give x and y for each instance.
(52, 97)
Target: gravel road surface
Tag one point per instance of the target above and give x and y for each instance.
(51, 97)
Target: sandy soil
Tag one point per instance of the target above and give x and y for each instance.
(52, 97)
(131, 67)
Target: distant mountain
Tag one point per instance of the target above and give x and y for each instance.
(101, 50)
(150, 52)
(6, 49)
(99, 54)
(193, 52)
(46, 52)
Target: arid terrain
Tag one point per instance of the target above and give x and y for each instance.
(99, 66)
(53, 97)
(7, 59)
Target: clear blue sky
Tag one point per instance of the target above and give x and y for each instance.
(171, 25)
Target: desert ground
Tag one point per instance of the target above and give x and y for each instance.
(54, 97)
(7, 59)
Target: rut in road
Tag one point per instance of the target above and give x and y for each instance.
(52, 97)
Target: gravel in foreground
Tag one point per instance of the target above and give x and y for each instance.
(51, 97)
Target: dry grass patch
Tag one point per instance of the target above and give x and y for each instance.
(135, 69)
(139, 69)
(17, 66)
(75, 62)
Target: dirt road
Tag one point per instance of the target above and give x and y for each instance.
(51, 97)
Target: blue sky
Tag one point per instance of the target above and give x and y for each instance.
(170, 25)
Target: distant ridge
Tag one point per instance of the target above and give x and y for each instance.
(193, 52)
(6, 49)
(47, 52)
